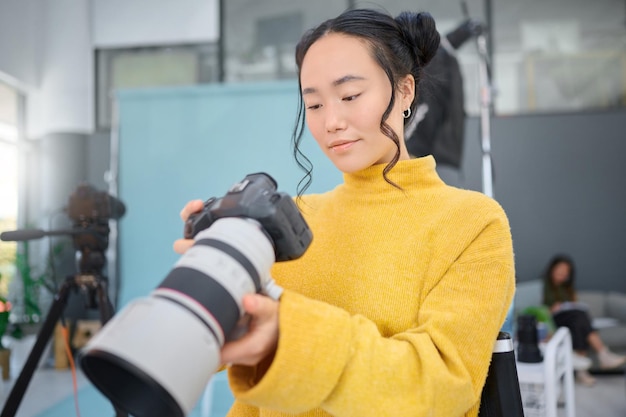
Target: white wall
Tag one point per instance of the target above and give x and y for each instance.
(20, 30)
(65, 102)
(46, 47)
(148, 22)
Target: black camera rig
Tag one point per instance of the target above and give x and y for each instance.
(90, 211)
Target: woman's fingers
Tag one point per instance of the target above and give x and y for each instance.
(193, 206)
(181, 245)
(262, 337)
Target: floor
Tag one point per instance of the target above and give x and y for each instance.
(607, 398)
(46, 388)
(50, 391)
(49, 386)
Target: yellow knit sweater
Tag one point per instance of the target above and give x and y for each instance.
(395, 307)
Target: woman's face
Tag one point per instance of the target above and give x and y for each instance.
(560, 273)
(345, 94)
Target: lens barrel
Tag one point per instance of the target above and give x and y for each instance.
(156, 356)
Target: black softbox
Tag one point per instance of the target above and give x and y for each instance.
(438, 127)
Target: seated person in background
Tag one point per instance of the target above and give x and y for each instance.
(560, 296)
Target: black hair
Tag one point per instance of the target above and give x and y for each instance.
(401, 46)
(567, 285)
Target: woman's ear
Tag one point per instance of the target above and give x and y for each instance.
(406, 88)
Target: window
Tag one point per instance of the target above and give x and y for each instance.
(260, 37)
(9, 109)
(175, 65)
(545, 56)
(559, 55)
(260, 40)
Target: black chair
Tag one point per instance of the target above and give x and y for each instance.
(501, 395)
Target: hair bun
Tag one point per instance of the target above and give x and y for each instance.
(420, 33)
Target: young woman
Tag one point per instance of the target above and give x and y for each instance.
(559, 295)
(395, 307)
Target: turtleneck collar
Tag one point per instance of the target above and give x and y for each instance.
(406, 174)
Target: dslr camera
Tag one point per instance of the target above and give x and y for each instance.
(157, 355)
(90, 211)
(255, 197)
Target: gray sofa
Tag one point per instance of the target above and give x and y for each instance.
(607, 308)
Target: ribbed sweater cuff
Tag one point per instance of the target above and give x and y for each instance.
(283, 387)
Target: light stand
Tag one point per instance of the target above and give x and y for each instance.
(486, 90)
(486, 104)
(486, 94)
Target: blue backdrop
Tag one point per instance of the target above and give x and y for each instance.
(187, 143)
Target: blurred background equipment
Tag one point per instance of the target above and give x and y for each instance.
(438, 127)
(90, 211)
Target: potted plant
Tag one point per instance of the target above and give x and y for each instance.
(5, 353)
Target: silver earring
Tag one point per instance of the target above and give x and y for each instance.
(407, 113)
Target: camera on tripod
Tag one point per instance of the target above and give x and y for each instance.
(90, 211)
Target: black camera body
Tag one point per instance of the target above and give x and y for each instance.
(255, 197)
(90, 211)
(88, 204)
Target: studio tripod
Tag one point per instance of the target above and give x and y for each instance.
(96, 288)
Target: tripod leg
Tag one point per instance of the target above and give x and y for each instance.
(104, 303)
(21, 384)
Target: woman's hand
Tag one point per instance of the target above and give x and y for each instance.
(261, 339)
(194, 206)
